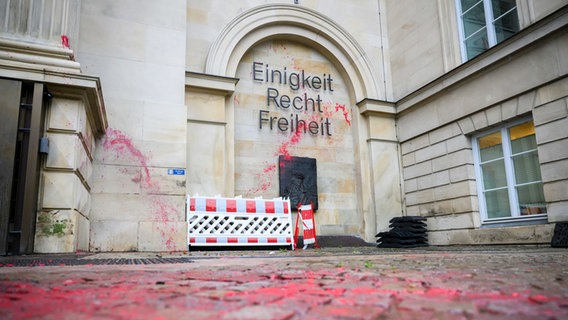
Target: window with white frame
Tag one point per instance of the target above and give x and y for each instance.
(508, 174)
(484, 23)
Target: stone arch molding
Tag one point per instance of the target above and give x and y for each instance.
(296, 23)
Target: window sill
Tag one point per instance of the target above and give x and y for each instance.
(515, 222)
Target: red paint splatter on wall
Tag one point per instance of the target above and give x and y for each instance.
(65, 41)
(122, 146)
(264, 179)
(344, 111)
(269, 170)
(284, 148)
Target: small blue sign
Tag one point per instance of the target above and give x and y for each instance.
(176, 172)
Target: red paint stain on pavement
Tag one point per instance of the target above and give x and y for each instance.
(152, 294)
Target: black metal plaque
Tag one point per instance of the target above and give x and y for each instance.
(298, 180)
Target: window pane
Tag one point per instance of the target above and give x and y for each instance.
(527, 168)
(501, 7)
(494, 174)
(477, 44)
(531, 199)
(497, 202)
(473, 20)
(466, 4)
(522, 137)
(506, 26)
(490, 147)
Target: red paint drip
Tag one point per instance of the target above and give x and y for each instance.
(65, 41)
(344, 110)
(294, 140)
(122, 146)
(264, 179)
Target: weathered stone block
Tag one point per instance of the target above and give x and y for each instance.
(64, 114)
(552, 131)
(457, 143)
(466, 125)
(417, 170)
(62, 151)
(451, 222)
(509, 109)
(415, 144)
(552, 91)
(431, 152)
(554, 171)
(421, 196)
(464, 172)
(438, 238)
(552, 111)
(122, 207)
(162, 236)
(61, 190)
(410, 185)
(112, 235)
(57, 231)
(544, 232)
(382, 128)
(558, 211)
(205, 107)
(455, 190)
(460, 236)
(508, 235)
(553, 151)
(433, 180)
(444, 133)
(409, 159)
(455, 159)
(479, 120)
(526, 103)
(494, 115)
(120, 179)
(165, 123)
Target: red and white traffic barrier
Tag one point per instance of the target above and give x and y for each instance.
(306, 214)
(214, 221)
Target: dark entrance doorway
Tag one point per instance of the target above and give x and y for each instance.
(21, 106)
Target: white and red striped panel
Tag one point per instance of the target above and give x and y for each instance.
(238, 205)
(238, 222)
(240, 240)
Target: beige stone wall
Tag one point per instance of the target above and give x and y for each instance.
(550, 112)
(313, 36)
(137, 48)
(416, 55)
(66, 180)
(163, 113)
(257, 149)
(439, 179)
(360, 18)
(423, 38)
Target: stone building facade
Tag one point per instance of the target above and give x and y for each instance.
(451, 110)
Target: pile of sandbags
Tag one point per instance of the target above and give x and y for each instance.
(405, 232)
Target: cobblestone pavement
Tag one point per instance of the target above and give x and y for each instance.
(333, 283)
